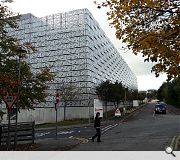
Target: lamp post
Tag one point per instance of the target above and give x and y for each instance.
(20, 50)
(17, 105)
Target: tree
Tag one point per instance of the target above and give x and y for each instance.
(162, 92)
(68, 93)
(150, 27)
(129, 94)
(15, 73)
(170, 92)
(110, 92)
(175, 96)
(151, 94)
(141, 95)
(117, 93)
(135, 94)
(103, 92)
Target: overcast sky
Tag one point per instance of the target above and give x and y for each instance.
(40, 8)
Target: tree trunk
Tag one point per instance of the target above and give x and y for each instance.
(115, 105)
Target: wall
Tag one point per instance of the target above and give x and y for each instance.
(47, 115)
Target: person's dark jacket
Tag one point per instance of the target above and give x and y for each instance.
(97, 122)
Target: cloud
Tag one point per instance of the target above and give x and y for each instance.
(146, 82)
(137, 64)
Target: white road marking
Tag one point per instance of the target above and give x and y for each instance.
(67, 132)
(108, 127)
(42, 134)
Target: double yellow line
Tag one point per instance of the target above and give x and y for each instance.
(82, 140)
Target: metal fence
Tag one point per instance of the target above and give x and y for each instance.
(25, 133)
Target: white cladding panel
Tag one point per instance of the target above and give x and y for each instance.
(77, 50)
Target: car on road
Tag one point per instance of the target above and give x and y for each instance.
(160, 108)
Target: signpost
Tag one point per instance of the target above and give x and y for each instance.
(57, 100)
(9, 100)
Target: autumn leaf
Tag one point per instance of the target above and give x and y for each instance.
(150, 27)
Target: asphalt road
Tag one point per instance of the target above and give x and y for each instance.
(145, 131)
(84, 131)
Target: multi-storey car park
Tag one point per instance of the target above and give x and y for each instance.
(78, 51)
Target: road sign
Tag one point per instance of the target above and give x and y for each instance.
(10, 100)
(117, 113)
(57, 98)
(135, 103)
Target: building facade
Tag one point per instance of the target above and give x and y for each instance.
(77, 50)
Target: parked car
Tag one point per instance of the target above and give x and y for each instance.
(160, 108)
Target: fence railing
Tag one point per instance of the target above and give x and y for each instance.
(25, 132)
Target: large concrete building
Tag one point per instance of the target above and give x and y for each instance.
(78, 51)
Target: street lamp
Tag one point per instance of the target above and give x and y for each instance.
(19, 50)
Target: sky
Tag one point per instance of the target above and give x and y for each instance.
(146, 80)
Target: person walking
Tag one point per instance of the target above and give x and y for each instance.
(97, 124)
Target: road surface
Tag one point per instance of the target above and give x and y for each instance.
(145, 131)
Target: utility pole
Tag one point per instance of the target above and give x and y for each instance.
(56, 119)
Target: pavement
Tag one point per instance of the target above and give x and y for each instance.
(59, 144)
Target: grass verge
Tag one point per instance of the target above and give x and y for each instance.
(65, 123)
(77, 121)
